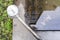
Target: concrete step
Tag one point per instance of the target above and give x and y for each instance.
(49, 35)
(20, 32)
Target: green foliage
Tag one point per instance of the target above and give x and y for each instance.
(5, 21)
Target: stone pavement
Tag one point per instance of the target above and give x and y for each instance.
(20, 32)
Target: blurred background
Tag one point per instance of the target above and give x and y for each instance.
(34, 9)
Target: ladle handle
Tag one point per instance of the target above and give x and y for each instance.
(28, 27)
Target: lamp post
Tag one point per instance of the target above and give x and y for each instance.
(12, 10)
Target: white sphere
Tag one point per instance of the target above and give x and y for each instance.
(12, 10)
